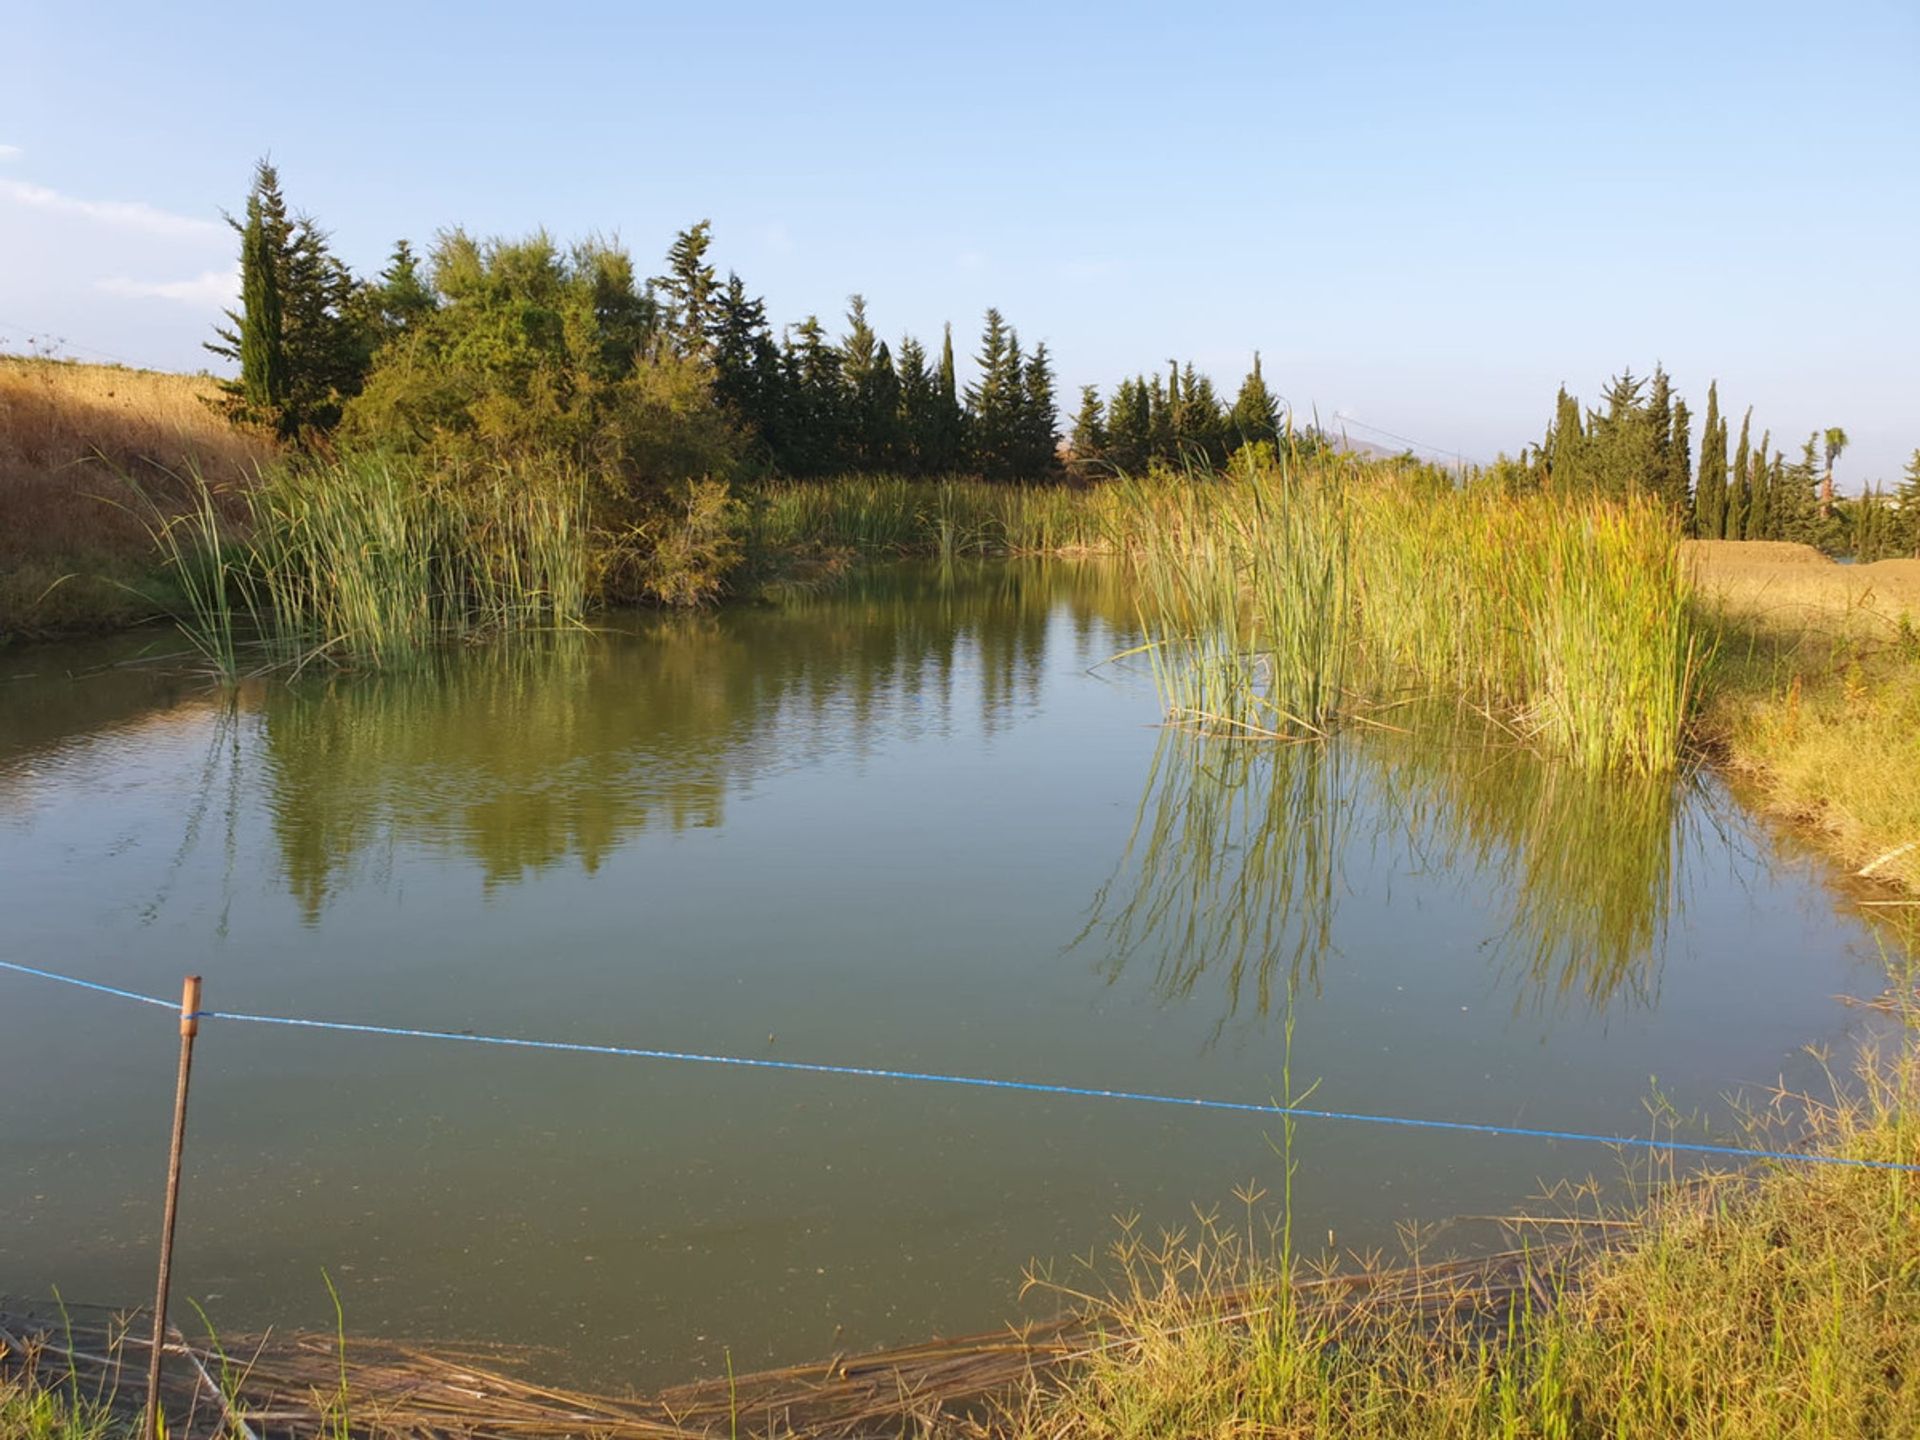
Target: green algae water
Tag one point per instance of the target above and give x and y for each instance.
(924, 823)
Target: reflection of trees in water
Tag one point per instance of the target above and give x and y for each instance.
(1232, 877)
(521, 755)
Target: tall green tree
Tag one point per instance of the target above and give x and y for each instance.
(1677, 485)
(1740, 498)
(872, 390)
(1255, 418)
(1087, 441)
(1130, 428)
(1039, 425)
(256, 338)
(1836, 442)
(1710, 488)
(302, 337)
(689, 292)
(1907, 498)
(946, 436)
(918, 398)
(1566, 447)
(993, 400)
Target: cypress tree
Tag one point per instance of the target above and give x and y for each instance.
(1761, 523)
(947, 444)
(1740, 501)
(1710, 489)
(992, 398)
(1566, 447)
(262, 341)
(1656, 447)
(1678, 483)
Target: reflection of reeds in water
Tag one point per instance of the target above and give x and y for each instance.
(1233, 872)
(1586, 864)
(1231, 869)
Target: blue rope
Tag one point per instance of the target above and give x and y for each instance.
(90, 985)
(1142, 1097)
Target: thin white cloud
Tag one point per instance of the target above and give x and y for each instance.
(10, 152)
(214, 287)
(971, 260)
(122, 214)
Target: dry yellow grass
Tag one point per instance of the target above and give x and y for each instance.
(1792, 588)
(1817, 700)
(71, 435)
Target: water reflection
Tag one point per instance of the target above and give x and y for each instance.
(1587, 866)
(521, 757)
(1240, 860)
(1232, 871)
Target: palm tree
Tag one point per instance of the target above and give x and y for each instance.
(1836, 442)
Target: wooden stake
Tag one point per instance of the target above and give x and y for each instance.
(189, 1027)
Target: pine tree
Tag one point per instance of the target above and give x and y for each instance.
(1907, 497)
(918, 396)
(1161, 444)
(1088, 441)
(1130, 428)
(872, 390)
(398, 301)
(1039, 443)
(747, 375)
(992, 407)
(690, 291)
(816, 399)
(1255, 419)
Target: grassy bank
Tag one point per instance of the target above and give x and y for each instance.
(1778, 1304)
(73, 555)
(1815, 696)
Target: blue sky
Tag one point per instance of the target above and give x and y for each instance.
(1426, 217)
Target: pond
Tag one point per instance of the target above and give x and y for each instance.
(927, 822)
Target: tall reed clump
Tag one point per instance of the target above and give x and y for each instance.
(371, 560)
(1276, 600)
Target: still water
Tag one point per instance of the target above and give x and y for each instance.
(922, 823)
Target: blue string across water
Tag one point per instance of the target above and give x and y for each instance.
(976, 1082)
